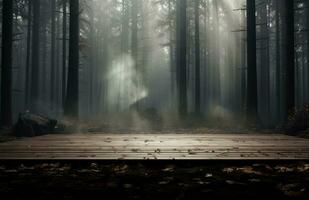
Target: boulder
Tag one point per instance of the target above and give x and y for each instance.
(30, 125)
(299, 121)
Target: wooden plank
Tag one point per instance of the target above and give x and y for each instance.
(157, 146)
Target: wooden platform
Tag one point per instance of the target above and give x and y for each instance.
(157, 146)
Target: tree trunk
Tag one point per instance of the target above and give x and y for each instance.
(52, 54)
(243, 84)
(197, 59)
(125, 27)
(217, 64)
(91, 67)
(134, 32)
(278, 61)
(44, 59)
(28, 54)
(182, 56)
(264, 60)
(58, 62)
(64, 50)
(307, 26)
(134, 45)
(171, 51)
(124, 50)
(6, 63)
(252, 94)
(72, 98)
(34, 95)
(290, 58)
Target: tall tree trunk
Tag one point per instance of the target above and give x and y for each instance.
(307, 26)
(264, 60)
(28, 54)
(44, 63)
(72, 98)
(91, 62)
(252, 94)
(34, 95)
(290, 58)
(278, 61)
(125, 27)
(124, 51)
(134, 45)
(58, 61)
(197, 59)
(205, 56)
(64, 49)
(182, 56)
(217, 64)
(171, 51)
(6, 63)
(52, 54)
(243, 70)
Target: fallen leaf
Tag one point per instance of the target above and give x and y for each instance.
(230, 182)
(292, 190)
(163, 182)
(283, 169)
(127, 186)
(168, 169)
(249, 170)
(228, 170)
(254, 180)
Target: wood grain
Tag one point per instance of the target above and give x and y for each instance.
(157, 146)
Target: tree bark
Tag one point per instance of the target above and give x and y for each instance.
(290, 58)
(72, 98)
(217, 64)
(264, 60)
(171, 50)
(252, 94)
(182, 56)
(6, 63)
(64, 50)
(134, 43)
(307, 26)
(278, 61)
(52, 57)
(34, 95)
(28, 54)
(197, 59)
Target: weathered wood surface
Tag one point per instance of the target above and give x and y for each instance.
(157, 146)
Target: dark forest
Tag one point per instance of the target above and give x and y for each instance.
(159, 80)
(211, 59)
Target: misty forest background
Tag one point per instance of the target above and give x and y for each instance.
(220, 60)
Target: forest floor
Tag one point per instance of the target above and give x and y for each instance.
(154, 180)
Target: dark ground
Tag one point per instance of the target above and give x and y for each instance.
(154, 180)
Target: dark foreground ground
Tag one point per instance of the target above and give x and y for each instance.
(154, 180)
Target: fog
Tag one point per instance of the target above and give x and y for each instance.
(129, 52)
(149, 82)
